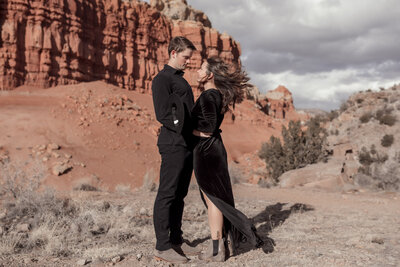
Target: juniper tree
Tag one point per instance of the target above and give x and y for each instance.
(300, 148)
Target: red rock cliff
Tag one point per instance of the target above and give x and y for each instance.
(278, 103)
(50, 42)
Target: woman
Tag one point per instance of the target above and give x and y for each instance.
(223, 86)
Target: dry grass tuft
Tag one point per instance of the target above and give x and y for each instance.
(39, 221)
(235, 173)
(149, 181)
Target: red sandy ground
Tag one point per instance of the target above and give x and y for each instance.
(110, 133)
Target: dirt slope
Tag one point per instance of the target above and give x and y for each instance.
(107, 135)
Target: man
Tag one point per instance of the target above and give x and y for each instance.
(173, 100)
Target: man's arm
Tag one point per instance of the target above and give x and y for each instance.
(161, 89)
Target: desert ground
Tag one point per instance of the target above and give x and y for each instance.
(98, 152)
(300, 228)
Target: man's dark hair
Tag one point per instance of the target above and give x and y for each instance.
(180, 44)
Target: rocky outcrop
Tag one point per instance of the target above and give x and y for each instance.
(361, 158)
(180, 10)
(277, 103)
(48, 43)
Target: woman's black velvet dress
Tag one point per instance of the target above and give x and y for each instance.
(211, 168)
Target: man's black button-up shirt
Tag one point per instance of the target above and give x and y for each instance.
(170, 81)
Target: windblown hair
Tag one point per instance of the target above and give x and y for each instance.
(231, 81)
(179, 44)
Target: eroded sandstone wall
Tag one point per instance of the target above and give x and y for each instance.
(46, 43)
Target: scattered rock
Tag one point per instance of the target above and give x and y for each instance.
(139, 256)
(129, 210)
(53, 146)
(23, 227)
(83, 262)
(116, 259)
(67, 156)
(4, 158)
(353, 241)
(143, 211)
(60, 168)
(1, 230)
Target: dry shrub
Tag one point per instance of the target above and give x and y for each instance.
(235, 173)
(86, 187)
(388, 119)
(377, 170)
(343, 107)
(20, 180)
(62, 227)
(149, 181)
(367, 157)
(88, 183)
(25, 203)
(365, 117)
(387, 140)
(123, 188)
(333, 115)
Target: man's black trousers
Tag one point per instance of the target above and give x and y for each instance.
(175, 173)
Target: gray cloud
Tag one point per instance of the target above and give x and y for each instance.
(322, 48)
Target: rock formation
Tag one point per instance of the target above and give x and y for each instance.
(180, 10)
(53, 42)
(277, 103)
(360, 157)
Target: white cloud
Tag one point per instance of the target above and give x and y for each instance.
(324, 90)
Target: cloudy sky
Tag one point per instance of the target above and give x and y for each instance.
(321, 50)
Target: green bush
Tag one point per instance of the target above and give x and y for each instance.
(388, 119)
(387, 140)
(299, 148)
(365, 117)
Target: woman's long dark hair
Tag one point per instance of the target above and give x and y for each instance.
(231, 81)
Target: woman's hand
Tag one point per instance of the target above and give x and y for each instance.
(201, 134)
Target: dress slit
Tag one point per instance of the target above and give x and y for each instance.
(212, 176)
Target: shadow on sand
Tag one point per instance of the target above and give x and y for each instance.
(273, 216)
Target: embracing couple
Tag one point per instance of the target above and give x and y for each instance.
(190, 140)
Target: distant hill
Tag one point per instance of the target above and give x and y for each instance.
(364, 139)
